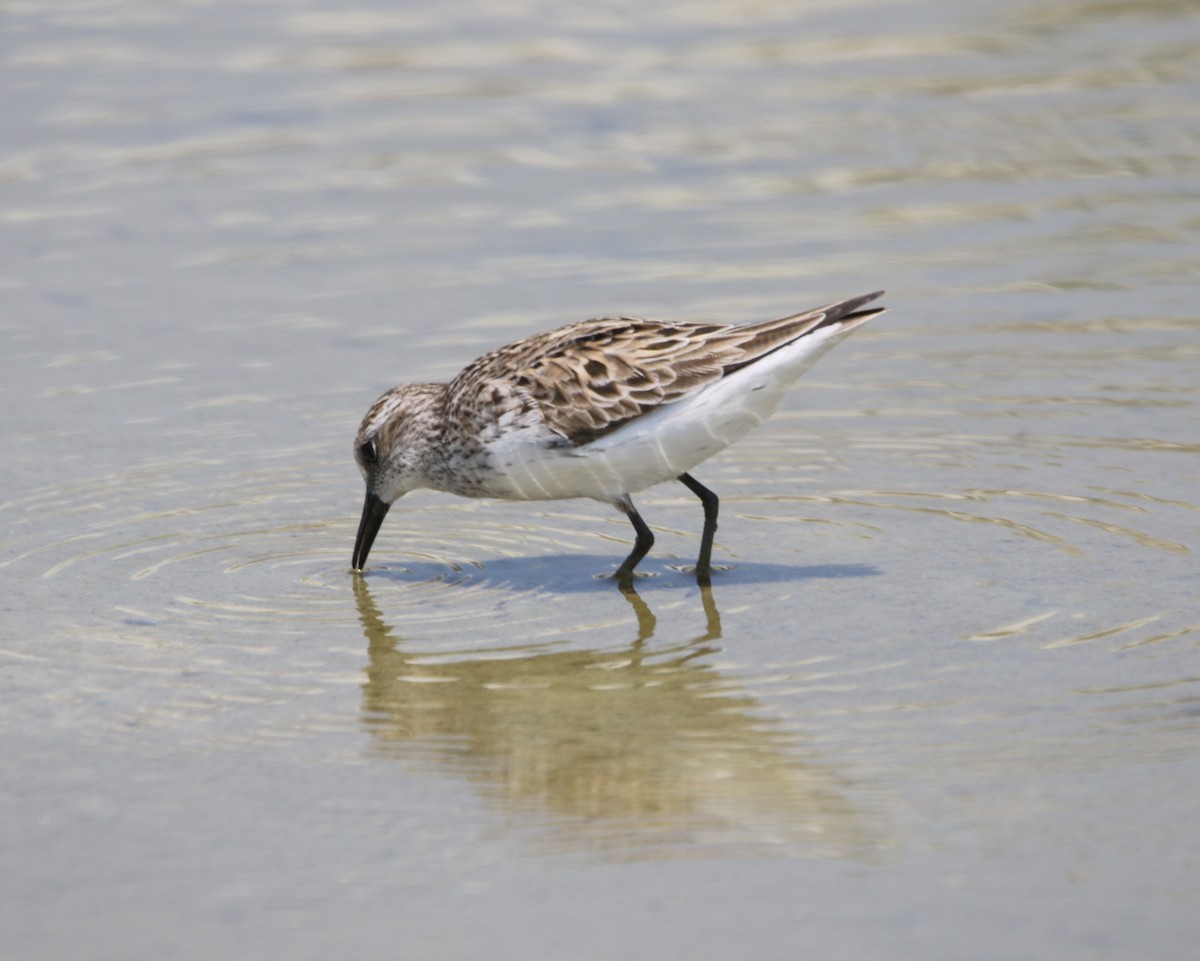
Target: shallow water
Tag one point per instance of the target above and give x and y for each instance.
(943, 703)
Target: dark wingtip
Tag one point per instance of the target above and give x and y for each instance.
(848, 311)
(851, 306)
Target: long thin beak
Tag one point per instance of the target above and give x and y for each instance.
(374, 511)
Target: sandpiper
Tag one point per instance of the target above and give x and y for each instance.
(601, 409)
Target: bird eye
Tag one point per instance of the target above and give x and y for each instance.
(367, 453)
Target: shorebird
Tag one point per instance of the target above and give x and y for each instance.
(601, 408)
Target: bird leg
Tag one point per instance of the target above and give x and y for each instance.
(645, 537)
(711, 502)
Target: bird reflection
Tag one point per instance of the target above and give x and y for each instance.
(647, 622)
(630, 752)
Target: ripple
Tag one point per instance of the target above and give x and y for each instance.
(208, 550)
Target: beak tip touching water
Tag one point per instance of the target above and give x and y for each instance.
(374, 511)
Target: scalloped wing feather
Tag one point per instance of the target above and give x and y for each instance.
(590, 378)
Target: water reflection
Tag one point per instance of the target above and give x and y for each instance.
(631, 752)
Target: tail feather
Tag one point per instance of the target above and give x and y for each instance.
(771, 335)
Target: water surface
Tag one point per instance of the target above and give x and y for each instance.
(944, 702)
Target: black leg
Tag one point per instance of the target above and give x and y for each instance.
(645, 537)
(711, 502)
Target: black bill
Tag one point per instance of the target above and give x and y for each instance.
(374, 511)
